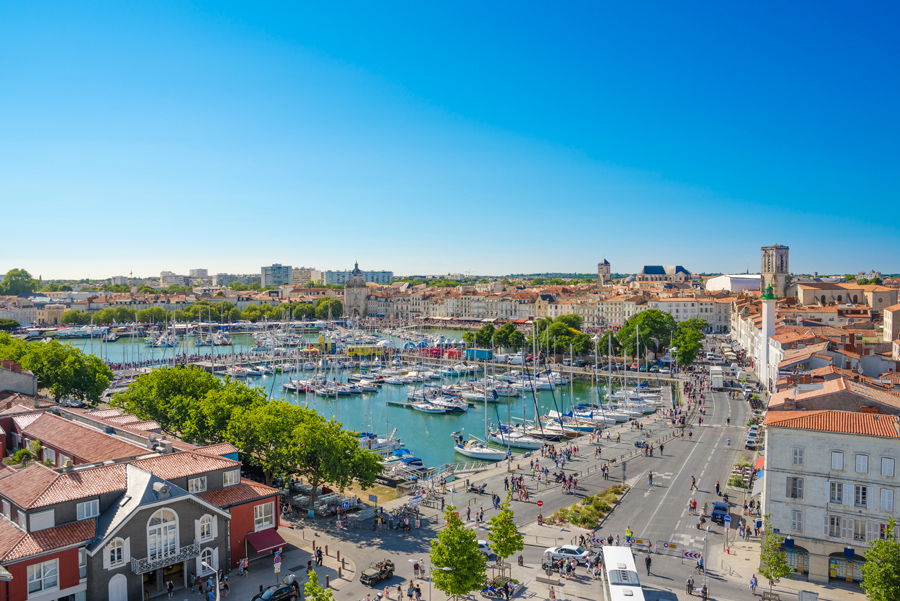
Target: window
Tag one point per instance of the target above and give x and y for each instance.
(862, 464)
(22, 519)
(43, 577)
(836, 492)
(834, 526)
(887, 467)
(88, 509)
(263, 516)
(82, 563)
(231, 477)
(162, 534)
(6, 508)
(887, 499)
(206, 556)
(837, 460)
(197, 484)
(861, 496)
(115, 553)
(795, 488)
(859, 530)
(798, 456)
(206, 527)
(796, 520)
(48, 455)
(64, 459)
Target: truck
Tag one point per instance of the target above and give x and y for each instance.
(481, 354)
(501, 358)
(716, 378)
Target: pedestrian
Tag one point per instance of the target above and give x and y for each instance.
(468, 514)
(647, 562)
(211, 595)
(422, 569)
(399, 593)
(410, 591)
(689, 585)
(753, 584)
(200, 585)
(552, 594)
(717, 487)
(418, 593)
(309, 567)
(193, 583)
(415, 569)
(170, 588)
(694, 483)
(617, 540)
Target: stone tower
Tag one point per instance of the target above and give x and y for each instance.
(774, 271)
(355, 292)
(764, 371)
(604, 273)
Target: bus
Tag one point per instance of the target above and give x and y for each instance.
(620, 575)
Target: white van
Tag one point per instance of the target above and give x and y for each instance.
(515, 359)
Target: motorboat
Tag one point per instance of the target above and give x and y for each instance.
(478, 450)
(513, 438)
(426, 407)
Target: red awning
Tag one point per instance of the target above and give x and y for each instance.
(266, 540)
(760, 462)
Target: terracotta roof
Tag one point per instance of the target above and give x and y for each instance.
(81, 441)
(23, 421)
(122, 419)
(6, 470)
(43, 541)
(16, 409)
(217, 450)
(244, 492)
(80, 484)
(25, 486)
(183, 464)
(843, 422)
(142, 426)
(103, 413)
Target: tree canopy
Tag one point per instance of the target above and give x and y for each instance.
(654, 327)
(772, 559)
(323, 305)
(18, 281)
(8, 325)
(63, 370)
(688, 340)
(456, 548)
(504, 536)
(881, 572)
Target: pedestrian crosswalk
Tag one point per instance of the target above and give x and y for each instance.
(688, 540)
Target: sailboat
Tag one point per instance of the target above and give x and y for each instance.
(478, 449)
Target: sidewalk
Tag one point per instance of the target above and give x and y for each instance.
(743, 562)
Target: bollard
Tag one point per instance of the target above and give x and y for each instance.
(343, 565)
(340, 574)
(327, 581)
(338, 554)
(326, 549)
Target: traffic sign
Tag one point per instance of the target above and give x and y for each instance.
(668, 545)
(277, 562)
(727, 519)
(373, 498)
(540, 503)
(345, 505)
(597, 541)
(691, 555)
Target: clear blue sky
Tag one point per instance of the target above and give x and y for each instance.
(430, 138)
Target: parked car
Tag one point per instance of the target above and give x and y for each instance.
(288, 590)
(653, 369)
(719, 511)
(664, 370)
(485, 549)
(569, 552)
(750, 444)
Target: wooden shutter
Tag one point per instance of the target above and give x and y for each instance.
(847, 528)
(870, 497)
(126, 550)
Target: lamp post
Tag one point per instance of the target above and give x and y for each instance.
(430, 578)
(705, 553)
(216, 572)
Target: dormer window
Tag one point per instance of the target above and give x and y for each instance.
(196, 485)
(88, 509)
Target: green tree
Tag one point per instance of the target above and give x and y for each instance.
(696, 324)
(881, 572)
(573, 321)
(501, 336)
(166, 395)
(456, 548)
(326, 453)
(516, 339)
(18, 281)
(312, 591)
(656, 328)
(265, 434)
(609, 343)
(772, 559)
(485, 336)
(323, 305)
(688, 344)
(206, 420)
(67, 372)
(8, 325)
(505, 538)
(151, 315)
(469, 338)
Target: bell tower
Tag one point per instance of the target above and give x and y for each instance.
(604, 274)
(774, 271)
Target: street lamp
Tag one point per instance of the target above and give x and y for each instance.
(429, 578)
(216, 572)
(705, 554)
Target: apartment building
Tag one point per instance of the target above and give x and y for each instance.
(275, 275)
(830, 480)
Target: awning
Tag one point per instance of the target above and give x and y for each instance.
(266, 540)
(757, 486)
(760, 463)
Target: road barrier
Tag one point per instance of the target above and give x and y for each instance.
(664, 547)
(645, 543)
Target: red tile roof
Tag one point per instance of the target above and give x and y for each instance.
(239, 493)
(217, 450)
(25, 486)
(183, 464)
(81, 484)
(843, 422)
(84, 442)
(43, 541)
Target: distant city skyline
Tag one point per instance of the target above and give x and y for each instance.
(428, 139)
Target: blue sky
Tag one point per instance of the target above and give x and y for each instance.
(435, 138)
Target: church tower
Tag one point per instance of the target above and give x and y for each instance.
(355, 292)
(774, 271)
(604, 273)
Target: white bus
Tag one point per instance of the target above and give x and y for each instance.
(620, 575)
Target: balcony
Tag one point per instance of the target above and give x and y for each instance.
(142, 566)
